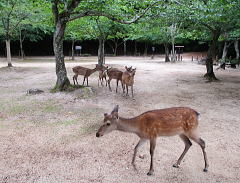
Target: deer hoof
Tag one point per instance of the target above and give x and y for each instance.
(176, 165)
(150, 173)
(205, 169)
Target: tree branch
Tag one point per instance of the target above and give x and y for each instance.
(111, 17)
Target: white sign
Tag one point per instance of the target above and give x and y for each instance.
(78, 47)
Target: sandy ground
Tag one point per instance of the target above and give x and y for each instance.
(51, 137)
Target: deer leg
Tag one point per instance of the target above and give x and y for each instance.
(152, 148)
(73, 80)
(188, 144)
(83, 80)
(132, 91)
(99, 79)
(105, 80)
(123, 87)
(141, 142)
(117, 85)
(201, 142)
(87, 81)
(109, 80)
(127, 90)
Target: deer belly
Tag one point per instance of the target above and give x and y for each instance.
(170, 131)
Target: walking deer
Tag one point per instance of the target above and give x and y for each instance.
(128, 79)
(102, 75)
(86, 72)
(182, 121)
(114, 74)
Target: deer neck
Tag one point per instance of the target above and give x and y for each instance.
(92, 71)
(127, 125)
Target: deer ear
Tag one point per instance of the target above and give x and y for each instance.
(105, 114)
(126, 68)
(115, 110)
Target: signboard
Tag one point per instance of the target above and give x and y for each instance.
(78, 47)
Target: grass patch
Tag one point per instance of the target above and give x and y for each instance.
(69, 89)
(50, 108)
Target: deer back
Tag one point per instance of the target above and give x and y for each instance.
(114, 73)
(167, 122)
(80, 70)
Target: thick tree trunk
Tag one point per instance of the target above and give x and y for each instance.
(236, 48)
(166, 52)
(73, 49)
(9, 59)
(101, 54)
(61, 72)
(211, 54)
(125, 47)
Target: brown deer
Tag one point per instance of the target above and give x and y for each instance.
(86, 72)
(114, 73)
(128, 79)
(102, 75)
(182, 121)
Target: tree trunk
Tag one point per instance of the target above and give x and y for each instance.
(166, 52)
(173, 59)
(9, 59)
(73, 49)
(225, 50)
(125, 47)
(101, 54)
(145, 49)
(135, 48)
(236, 49)
(211, 54)
(115, 48)
(21, 44)
(61, 72)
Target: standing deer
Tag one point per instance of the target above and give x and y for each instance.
(102, 75)
(182, 121)
(86, 72)
(114, 74)
(128, 79)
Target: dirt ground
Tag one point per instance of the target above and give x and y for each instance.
(50, 137)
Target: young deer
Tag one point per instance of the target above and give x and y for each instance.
(182, 121)
(128, 79)
(86, 72)
(114, 74)
(103, 75)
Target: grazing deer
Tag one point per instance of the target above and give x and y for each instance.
(86, 72)
(102, 75)
(182, 121)
(128, 79)
(114, 74)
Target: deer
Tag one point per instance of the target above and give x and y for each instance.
(182, 121)
(128, 79)
(86, 72)
(103, 75)
(114, 73)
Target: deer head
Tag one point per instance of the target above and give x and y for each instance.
(128, 69)
(109, 123)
